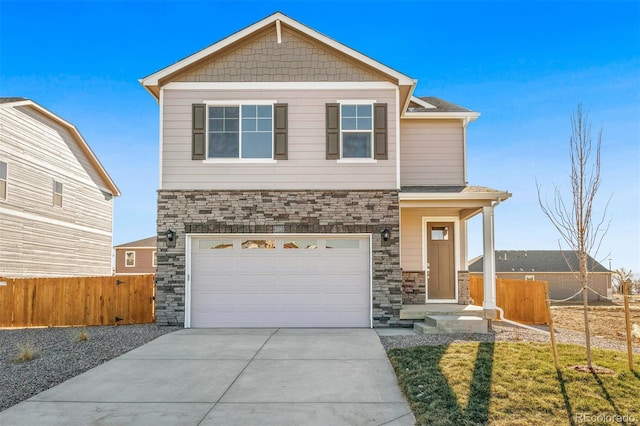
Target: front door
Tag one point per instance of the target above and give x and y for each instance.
(440, 261)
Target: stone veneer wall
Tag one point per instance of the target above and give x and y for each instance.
(297, 212)
(413, 287)
(464, 293)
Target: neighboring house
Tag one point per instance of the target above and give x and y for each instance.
(137, 257)
(303, 184)
(558, 267)
(56, 199)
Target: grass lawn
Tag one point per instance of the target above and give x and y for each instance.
(516, 384)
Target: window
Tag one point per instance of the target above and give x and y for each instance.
(57, 193)
(244, 131)
(154, 259)
(3, 181)
(215, 244)
(440, 233)
(258, 244)
(129, 259)
(529, 278)
(256, 130)
(342, 243)
(301, 244)
(356, 130)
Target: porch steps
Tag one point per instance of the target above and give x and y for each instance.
(442, 324)
(419, 312)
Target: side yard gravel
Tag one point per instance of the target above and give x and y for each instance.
(59, 357)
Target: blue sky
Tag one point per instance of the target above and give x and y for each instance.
(523, 65)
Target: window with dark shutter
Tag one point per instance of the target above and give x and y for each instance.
(280, 132)
(380, 132)
(198, 141)
(333, 131)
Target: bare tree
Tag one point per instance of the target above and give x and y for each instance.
(621, 275)
(572, 215)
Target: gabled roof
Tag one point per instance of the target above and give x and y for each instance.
(151, 242)
(532, 261)
(153, 82)
(84, 146)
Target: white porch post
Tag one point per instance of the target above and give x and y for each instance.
(488, 263)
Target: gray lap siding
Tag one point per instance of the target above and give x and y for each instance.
(293, 212)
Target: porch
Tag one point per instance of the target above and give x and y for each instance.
(434, 257)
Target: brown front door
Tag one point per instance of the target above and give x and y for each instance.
(440, 261)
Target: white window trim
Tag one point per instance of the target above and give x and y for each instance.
(55, 182)
(6, 181)
(239, 104)
(357, 159)
(154, 258)
(134, 259)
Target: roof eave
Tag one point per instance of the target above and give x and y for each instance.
(435, 115)
(428, 196)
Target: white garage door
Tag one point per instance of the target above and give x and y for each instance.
(269, 281)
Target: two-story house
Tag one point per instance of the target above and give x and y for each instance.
(56, 199)
(136, 257)
(302, 184)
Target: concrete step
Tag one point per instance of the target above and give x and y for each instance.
(453, 324)
(422, 328)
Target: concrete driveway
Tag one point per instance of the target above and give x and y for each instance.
(231, 377)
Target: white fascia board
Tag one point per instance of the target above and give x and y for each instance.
(426, 196)
(281, 85)
(470, 116)
(77, 136)
(420, 102)
(153, 79)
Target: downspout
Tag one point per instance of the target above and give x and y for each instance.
(465, 123)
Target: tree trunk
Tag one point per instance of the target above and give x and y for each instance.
(585, 305)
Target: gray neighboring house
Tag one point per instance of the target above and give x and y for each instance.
(56, 198)
(555, 266)
(303, 184)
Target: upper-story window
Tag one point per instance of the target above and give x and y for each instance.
(356, 131)
(57, 193)
(244, 131)
(129, 259)
(3, 181)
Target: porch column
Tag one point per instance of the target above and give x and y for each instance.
(488, 263)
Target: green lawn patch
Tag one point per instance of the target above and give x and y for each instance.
(515, 384)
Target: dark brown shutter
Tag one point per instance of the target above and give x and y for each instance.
(198, 144)
(333, 131)
(280, 127)
(380, 143)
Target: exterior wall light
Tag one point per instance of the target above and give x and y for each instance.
(385, 234)
(170, 234)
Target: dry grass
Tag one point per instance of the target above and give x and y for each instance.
(81, 336)
(511, 384)
(26, 352)
(604, 320)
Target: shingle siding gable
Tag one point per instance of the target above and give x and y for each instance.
(296, 58)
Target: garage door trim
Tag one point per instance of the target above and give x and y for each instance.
(188, 260)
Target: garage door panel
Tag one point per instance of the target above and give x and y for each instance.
(283, 286)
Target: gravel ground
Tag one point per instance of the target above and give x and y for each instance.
(59, 357)
(502, 332)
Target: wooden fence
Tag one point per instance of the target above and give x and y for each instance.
(51, 302)
(522, 301)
